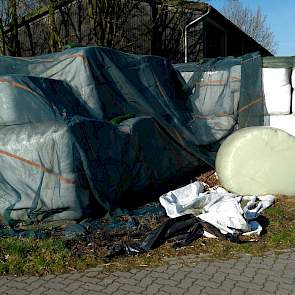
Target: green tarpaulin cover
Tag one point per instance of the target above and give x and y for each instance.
(81, 128)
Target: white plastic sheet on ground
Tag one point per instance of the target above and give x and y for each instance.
(217, 207)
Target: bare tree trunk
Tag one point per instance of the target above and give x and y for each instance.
(30, 36)
(15, 44)
(168, 19)
(3, 37)
(55, 40)
(80, 21)
(109, 18)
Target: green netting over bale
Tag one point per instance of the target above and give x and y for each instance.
(279, 62)
(82, 128)
(226, 95)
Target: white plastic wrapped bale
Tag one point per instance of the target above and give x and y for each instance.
(293, 100)
(277, 90)
(21, 91)
(257, 161)
(222, 88)
(215, 102)
(41, 173)
(293, 78)
(283, 122)
(187, 76)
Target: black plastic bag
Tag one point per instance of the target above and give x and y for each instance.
(184, 229)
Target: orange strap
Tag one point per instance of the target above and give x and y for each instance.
(242, 109)
(38, 166)
(18, 85)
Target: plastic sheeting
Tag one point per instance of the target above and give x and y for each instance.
(277, 90)
(216, 206)
(283, 122)
(183, 230)
(81, 128)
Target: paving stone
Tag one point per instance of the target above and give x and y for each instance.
(186, 283)
(74, 286)
(280, 279)
(129, 281)
(259, 266)
(77, 276)
(227, 285)
(213, 291)
(246, 275)
(92, 287)
(79, 292)
(87, 279)
(19, 285)
(54, 285)
(108, 280)
(230, 270)
(130, 288)
(55, 292)
(240, 266)
(237, 291)
(286, 287)
(3, 289)
(208, 284)
(122, 274)
(257, 293)
(196, 289)
(250, 285)
(270, 287)
(283, 292)
(35, 285)
(16, 291)
(29, 280)
(173, 290)
(238, 278)
(145, 282)
(140, 275)
(219, 277)
(38, 291)
(49, 277)
(179, 276)
(112, 288)
(152, 289)
(198, 276)
(268, 261)
(166, 282)
(160, 275)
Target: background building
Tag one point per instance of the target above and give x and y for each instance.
(144, 28)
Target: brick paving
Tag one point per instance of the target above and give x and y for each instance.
(270, 274)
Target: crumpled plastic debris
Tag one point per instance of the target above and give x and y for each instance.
(196, 213)
(185, 229)
(217, 207)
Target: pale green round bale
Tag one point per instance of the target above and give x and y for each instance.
(257, 161)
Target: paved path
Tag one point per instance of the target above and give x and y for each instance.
(248, 275)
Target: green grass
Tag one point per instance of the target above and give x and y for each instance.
(31, 256)
(40, 257)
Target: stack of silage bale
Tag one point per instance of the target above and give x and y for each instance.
(278, 85)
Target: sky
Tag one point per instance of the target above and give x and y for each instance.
(280, 16)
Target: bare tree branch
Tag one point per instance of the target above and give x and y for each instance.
(252, 22)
